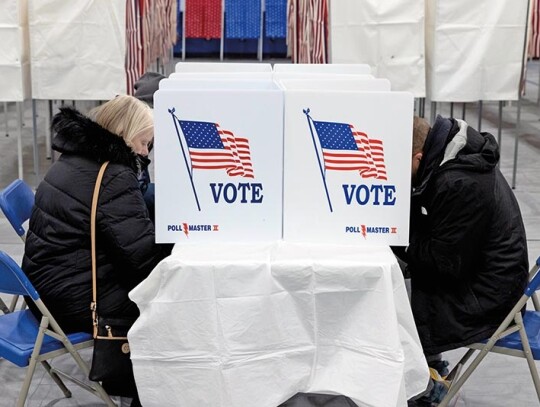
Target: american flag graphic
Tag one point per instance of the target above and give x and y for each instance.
(212, 148)
(346, 149)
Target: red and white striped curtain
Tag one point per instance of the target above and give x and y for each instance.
(534, 42)
(150, 35)
(134, 53)
(307, 33)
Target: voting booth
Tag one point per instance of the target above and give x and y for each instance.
(358, 69)
(282, 194)
(310, 154)
(218, 167)
(347, 166)
(209, 67)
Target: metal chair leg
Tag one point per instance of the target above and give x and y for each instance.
(528, 354)
(13, 303)
(56, 379)
(3, 307)
(33, 362)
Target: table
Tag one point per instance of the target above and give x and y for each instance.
(253, 324)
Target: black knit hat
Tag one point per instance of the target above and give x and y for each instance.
(146, 86)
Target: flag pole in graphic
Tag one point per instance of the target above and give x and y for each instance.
(190, 171)
(309, 119)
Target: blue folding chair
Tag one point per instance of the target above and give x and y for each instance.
(516, 336)
(26, 341)
(16, 201)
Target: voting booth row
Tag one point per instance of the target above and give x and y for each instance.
(265, 155)
(282, 188)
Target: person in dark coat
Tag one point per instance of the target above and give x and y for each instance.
(467, 255)
(57, 257)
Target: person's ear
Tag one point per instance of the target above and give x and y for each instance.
(417, 157)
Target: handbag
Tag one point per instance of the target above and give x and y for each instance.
(111, 361)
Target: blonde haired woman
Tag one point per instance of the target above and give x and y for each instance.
(57, 255)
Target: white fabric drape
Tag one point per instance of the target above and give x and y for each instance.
(474, 50)
(78, 49)
(243, 325)
(388, 35)
(14, 58)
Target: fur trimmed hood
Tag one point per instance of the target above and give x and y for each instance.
(77, 134)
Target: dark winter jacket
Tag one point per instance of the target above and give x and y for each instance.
(57, 251)
(468, 251)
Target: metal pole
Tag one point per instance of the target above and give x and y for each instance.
(516, 142)
(538, 100)
(6, 117)
(499, 131)
(19, 140)
(451, 109)
(48, 148)
(464, 113)
(433, 111)
(222, 41)
(183, 3)
(521, 79)
(51, 152)
(34, 133)
(479, 115)
(261, 33)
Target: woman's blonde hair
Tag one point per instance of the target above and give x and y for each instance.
(125, 116)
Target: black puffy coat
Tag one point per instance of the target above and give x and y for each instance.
(468, 251)
(57, 256)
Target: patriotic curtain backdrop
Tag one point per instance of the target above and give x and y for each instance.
(276, 18)
(307, 33)
(242, 18)
(203, 19)
(150, 34)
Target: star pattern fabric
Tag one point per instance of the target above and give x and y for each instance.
(203, 19)
(242, 19)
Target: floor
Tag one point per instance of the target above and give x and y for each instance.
(498, 382)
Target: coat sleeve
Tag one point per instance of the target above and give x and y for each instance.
(443, 241)
(124, 225)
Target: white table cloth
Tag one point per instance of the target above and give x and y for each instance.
(253, 324)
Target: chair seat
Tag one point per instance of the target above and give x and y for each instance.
(531, 321)
(19, 331)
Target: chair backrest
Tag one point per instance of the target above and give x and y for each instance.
(534, 279)
(16, 201)
(13, 280)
